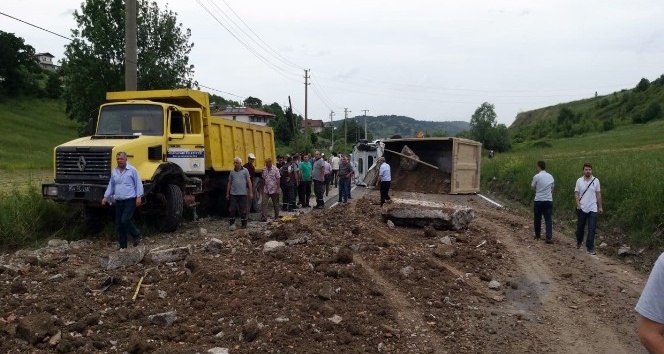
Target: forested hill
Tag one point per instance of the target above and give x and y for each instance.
(640, 104)
(387, 126)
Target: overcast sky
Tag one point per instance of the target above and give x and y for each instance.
(430, 60)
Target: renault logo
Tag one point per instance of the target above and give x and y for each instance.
(81, 163)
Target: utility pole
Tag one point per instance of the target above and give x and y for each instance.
(131, 56)
(365, 123)
(332, 126)
(306, 93)
(346, 111)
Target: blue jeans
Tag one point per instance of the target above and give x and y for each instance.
(124, 211)
(344, 189)
(581, 218)
(543, 207)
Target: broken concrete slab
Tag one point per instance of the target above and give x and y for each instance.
(171, 254)
(123, 258)
(441, 216)
(272, 245)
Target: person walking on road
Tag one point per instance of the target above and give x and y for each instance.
(271, 185)
(543, 185)
(318, 175)
(305, 186)
(237, 189)
(651, 310)
(125, 189)
(588, 196)
(345, 174)
(385, 180)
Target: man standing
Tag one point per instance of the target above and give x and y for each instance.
(328, 175)
(588, 198)
(252, 172)
(543, 185)
(335, 162)
(318, 175)
(651, 310)
(239, 186)
(385, 180)
(125, 189)
(345, 173)
(305, 186)
(288, 185)
(271, 177)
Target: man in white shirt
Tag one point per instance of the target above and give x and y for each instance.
(543, 185)
(385, 180)
(651, 310)
(588, 198)
(335, 162)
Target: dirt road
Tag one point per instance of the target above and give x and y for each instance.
(345, 283)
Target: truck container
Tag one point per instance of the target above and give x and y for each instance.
(182, 153)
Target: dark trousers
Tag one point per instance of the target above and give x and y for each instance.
(305, 193)
(238, 205)
(344, 189)
(124, 211)
(335, 177)
(544, 208)
(581, 219)
(384, 189)
(328, 180)
(319, 189)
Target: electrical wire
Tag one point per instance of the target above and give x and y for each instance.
(35, 26)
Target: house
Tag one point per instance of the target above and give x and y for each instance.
(245, 114)
(316, 125)
(45, 61)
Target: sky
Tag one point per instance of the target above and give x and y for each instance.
(426, 59)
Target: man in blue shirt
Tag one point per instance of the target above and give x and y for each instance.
(385, 180)
(543, 185)
(125, 189)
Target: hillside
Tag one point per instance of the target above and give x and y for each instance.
(387, 126)
(640, 104)
(30, 129)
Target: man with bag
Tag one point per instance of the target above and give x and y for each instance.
(588, 198)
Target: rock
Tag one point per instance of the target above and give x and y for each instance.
(202, 232)
(326, 292)
(171, 254)
(163, 319)
(54, 340)
(56, 243)
(408, 164)
(232, 227)
(250, 330)
(406, 271)
(282, 319)
(80, 244)
(429, 232)
(8, 269)
(137, 344)
(624, 251)
(445, 251)
(161, 294)
(344, 256)
(390, 224)
(215, 245)
(495, 285)
(603, 244)
(297, 241)
(336, 319)
(272, 245)
(441, 216)
(36, 328)
(446, 240)
(218, 350)
(123, 258)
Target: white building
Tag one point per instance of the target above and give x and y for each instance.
(45, 60)
(246, 114)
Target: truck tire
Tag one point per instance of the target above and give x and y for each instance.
(173, 210)
(257, 201)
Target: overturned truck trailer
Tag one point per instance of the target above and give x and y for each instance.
(432, 165)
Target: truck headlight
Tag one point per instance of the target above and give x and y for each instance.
(52, 191)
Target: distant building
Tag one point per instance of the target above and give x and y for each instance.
(246, 114)
(314, 124)
(45, 60)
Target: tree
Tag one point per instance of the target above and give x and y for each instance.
(94, 59)
(482, 122)
(642, 85)
(18, 67)
(253, 102)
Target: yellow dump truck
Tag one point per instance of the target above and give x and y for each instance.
(182, 153)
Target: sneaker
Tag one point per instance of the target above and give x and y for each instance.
(137, 241)
(578, 246)
(263, 219)
(591, 252)
(549, 241)
(536, 237)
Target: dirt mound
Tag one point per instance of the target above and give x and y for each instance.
(422, 179)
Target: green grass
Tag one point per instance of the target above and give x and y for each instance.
(628, 162)
(30, 128)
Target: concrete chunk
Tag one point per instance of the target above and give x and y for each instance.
(123, 258)
(441, 216)
(171, 254)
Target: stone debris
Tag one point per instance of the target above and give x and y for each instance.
(440, 216)
(123, 258)
(495, 285)
(36, 328)
(297, 241)
(390, 224)
(218, 350)
(445, 251)
(171, 254)
(407, 270)
(215, 245)
(625, 251)
(446, 240)
(326, 291)
(336, 319)
(163, 319)
(272, 245)
(603, 244)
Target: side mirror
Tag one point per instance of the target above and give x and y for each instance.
(90, 127)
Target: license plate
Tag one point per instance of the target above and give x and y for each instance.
(79, 188)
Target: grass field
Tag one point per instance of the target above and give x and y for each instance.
(628, 161)
(29, 129)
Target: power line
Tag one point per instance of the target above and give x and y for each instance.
(214, 89)
(35, 26)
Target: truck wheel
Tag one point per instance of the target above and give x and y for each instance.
(173, 211)
(257, 201)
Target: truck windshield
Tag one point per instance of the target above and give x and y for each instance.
(131, 119)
